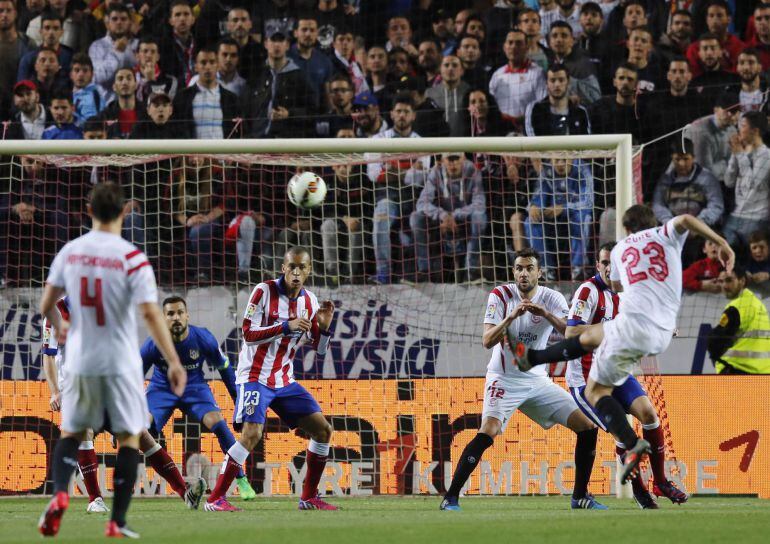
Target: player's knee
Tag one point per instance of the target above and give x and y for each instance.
(324, 434)
(578, 422)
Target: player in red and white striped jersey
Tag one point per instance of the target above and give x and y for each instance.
(281, 316)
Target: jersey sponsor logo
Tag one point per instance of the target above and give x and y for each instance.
(527, 338)
(250, 310)
(194, 354)
(491, 309)
(305, 314)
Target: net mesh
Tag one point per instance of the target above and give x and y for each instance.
(402, 381)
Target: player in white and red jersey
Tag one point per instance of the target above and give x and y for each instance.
(647, 267)
(105, 277)
(595, 302)
(527, 312)
(281, 316)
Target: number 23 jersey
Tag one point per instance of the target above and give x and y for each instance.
(649, 266)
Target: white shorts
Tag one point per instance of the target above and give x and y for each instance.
(114, 403)
(627, 338)
(539, 399)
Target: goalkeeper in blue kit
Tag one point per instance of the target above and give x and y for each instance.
(194, 345)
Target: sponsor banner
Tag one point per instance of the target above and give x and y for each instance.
(377, 332)
(404, 436)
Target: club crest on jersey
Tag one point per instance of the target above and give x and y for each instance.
(194, 354)
(250, 409)
(250, 310)
(490, 311)
(535, 318)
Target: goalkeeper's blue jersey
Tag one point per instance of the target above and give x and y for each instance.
(200, 345)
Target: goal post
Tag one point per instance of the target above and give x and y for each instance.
(402, 381)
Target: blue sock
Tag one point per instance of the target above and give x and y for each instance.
(226, 439)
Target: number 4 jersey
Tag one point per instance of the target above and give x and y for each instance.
(649, 266)
(105, 277)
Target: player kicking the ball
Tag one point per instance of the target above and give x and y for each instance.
(526, 312)
(280, 316)
(194, 345)
(594, 302)
(105, 277)
(647, 267)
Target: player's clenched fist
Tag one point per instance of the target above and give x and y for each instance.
(61, 332)
(300, 324)
(55, 402)
(177, 377)
(324, 315)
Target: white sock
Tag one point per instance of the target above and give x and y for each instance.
(86, 445)
(238, 453)
(651, 426)
(152, 450)
(318, 448)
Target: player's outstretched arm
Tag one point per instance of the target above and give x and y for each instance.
(159, 332)
(48, 309)
(51, 379)
(696, 226)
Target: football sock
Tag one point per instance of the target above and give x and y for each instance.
(226, 439)
(89, 467)
(637, 482)
(123, 481)
(614, 418)
(234, 460)
(653, 433)
(585, 452)
(468, 460)
(317, 454)
(565, 350)
(164, 465)
(64, 463)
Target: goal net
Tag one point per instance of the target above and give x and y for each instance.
(402, 381)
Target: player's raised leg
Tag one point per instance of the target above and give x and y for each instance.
(216, 424)
(320, 432)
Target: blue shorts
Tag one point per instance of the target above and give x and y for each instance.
(196, 401)
(625, 394)
(290, 403)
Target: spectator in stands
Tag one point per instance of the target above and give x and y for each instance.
(13, 44)
(73, 31)
(556, 114)
(623, 18)
(761, 40)
(549, 12)
(429, 61)
(178, 47)
(315, 65)
(250, 52)
(449, 93)
(674, 43)
(594, 42)
(483, 115)
(399, 33)
(155, 125)
(703, 275)
(640, 53)
(86, 95)
(344, 59)
(366, 116)
(206, 110)
(94, 129)
(753, 94)
(475, 72)
(398, 184)
(686, 187)
(124, 111)
(718, 21)
(227, 68)
(584, 85)
(51, 33)
(569, 11)
(399, 64)
(528, 20)
(563, 200)
(452, 202)
(340, 113)
(347, 213)
(748, 170)
(28, 10)
(430, 121)
(619, 114)
(62, 112)
(713, 79)
(517, 83)
(334, 17)
(149, 78)
(282, 100)
(377, 72)
(116, 50)
(31, 118)
(758, 266)
(711, 135)
(48, 76)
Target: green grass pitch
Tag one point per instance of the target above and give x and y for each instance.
(402, 520)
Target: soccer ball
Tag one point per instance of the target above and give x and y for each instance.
(306, 190)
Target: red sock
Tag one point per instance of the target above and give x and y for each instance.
(164, 465)
(89, 467)
(315, 469)
(637, 483)
(225, 479)
(658, 455)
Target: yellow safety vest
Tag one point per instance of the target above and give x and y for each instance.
(751, 351)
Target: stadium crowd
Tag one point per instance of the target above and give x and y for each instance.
(685, 77)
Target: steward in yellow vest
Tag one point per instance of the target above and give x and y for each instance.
(740, 344)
